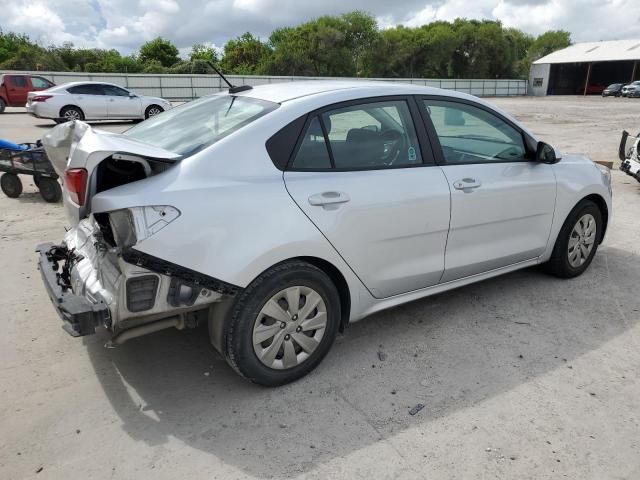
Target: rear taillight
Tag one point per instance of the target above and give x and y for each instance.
(75, 181)
(41, 98)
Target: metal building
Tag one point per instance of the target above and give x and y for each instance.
(585, 68)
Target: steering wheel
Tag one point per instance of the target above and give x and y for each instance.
(399, 144)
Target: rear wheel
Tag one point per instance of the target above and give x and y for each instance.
(577, 241)
(283, 324)
(152, 111)
(11, 185)
(50, 189)
(68, 114)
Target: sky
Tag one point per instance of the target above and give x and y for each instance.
(126, 24)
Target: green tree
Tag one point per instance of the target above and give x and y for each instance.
(245, 55)
(159, 50)
(549, 42)
(200, 51)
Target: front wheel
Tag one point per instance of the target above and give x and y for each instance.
(577, 241)
(11, 185)
(283, 324)
(2, 105)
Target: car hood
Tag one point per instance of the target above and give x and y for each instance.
(70, 144)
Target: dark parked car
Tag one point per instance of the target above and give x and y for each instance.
(613, 90)
(15, 88)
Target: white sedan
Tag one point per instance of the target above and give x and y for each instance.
(93, 101)
(280, 214)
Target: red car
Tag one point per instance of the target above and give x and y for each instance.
(593, 89)
(15, 87)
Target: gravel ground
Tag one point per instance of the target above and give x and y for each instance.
(522, 376)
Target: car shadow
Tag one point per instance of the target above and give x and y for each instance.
(447, 352)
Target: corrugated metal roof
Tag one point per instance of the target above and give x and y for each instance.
(595, 52)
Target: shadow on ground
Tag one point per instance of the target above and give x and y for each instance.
(448, 352)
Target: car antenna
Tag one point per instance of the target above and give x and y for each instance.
(232, 88)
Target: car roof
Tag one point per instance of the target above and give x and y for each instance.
(287, 91)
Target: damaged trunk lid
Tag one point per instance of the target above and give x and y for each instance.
(90, 161)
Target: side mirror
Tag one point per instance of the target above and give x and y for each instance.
(132, 95)
(545, 153)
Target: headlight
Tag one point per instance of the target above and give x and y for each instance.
(132, 225)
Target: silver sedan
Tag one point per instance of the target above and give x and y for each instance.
(93, 101)
(280, 214)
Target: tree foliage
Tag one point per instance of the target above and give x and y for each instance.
(347, 45)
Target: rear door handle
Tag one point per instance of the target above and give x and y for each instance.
(467, 184)
(328, 198)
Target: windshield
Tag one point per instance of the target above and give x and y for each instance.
(195, 125)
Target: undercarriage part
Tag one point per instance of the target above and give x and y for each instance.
(181, 293)
(119, 339)
(80, 316)
(60, 253)
(188, 276)
(141, 292)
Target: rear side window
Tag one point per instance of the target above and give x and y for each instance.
(372, 135)
(18, 81)
(88, 89)
(313, 153)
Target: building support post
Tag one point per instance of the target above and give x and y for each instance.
(633, 72)
(586, 84)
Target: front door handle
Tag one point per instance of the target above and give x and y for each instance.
(328, 198)
(466, 184)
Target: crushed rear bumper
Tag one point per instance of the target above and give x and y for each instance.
(79, 315)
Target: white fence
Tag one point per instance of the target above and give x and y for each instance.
(188, 87)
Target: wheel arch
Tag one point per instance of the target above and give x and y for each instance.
(604, 210)
(339, 281)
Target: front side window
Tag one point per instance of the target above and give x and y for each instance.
(18, 81)
(114, 91)
(195, 125)
(39, 82)
(470, 134)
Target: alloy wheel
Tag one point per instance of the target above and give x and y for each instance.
(289, 328)
(72, 115)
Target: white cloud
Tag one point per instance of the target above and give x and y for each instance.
(125, 24)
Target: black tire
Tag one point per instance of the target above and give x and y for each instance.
(2, 105)
(49, 189)
(11, 185)
(70, 113)
(558, 264)
(241, 318)
(152, 110)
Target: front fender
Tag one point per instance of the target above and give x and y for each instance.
(577, 178)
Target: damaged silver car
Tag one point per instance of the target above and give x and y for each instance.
(279, 214)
